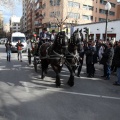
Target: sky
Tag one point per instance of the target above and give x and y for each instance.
(16, 11)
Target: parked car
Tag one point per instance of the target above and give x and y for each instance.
(3, 40)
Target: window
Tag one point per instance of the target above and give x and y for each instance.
(15, 39)
(90, 8)
(73, 4)
(102, 11)
(87, 17)
(112, 13)
(112, 4)
(74, 15)
(54, 2)
(87, 7)
(102, 19)
(56, 13)
(103, 2)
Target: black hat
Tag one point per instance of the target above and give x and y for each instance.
(53, 31)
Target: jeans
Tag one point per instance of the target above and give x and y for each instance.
(118, 75)
(20, 54)
(8, 55)
(107, 71)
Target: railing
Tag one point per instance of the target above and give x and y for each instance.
(38, 24)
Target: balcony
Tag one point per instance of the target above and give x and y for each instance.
(39, 16)
(38, 24)
(37, 10)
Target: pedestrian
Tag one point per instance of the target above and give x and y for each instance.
(107, 60)
(8, 50)
(116, 62)
(19, 46)
(90, 59)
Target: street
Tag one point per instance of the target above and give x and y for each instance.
(25, 96)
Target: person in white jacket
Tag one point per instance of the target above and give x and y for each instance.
(100, 52)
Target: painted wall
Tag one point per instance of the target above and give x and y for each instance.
(99, 28)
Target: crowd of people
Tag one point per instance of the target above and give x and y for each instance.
(105, 52)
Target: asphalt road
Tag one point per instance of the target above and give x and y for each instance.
(24, 96)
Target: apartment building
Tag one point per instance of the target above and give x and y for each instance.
(48, 13)
(6, 27)
(118, 10)
(24, 17)
(14, 24)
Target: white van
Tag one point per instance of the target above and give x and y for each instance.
(14, 39)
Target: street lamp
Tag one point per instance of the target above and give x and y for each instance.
(107, 8)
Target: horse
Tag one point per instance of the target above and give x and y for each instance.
(54, 55)
(72, 56)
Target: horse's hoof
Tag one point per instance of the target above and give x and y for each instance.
(42, 77)
(58, 85)
(71, 84)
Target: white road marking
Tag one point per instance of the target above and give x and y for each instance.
(26, 86)
(16, 65)
(84, 94)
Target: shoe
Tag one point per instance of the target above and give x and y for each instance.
(92, 75)
(21, 61)
(116, 84)
(107, 78)
(78, 75)
(89, 76)
(103, 76)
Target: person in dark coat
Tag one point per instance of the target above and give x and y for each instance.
(107, 60)
(44, 37)
(8, 50)
(90, 59)
(116, 62)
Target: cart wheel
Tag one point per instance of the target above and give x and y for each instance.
(29, 56)
(35, 64)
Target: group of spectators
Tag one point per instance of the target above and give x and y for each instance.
(105, 52)
(19, 46)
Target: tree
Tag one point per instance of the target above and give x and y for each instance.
(9, 4)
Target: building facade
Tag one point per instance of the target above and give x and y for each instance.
(14, 24)
(24, 17)
(6, 27)
(51, 13)
(97, 30)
